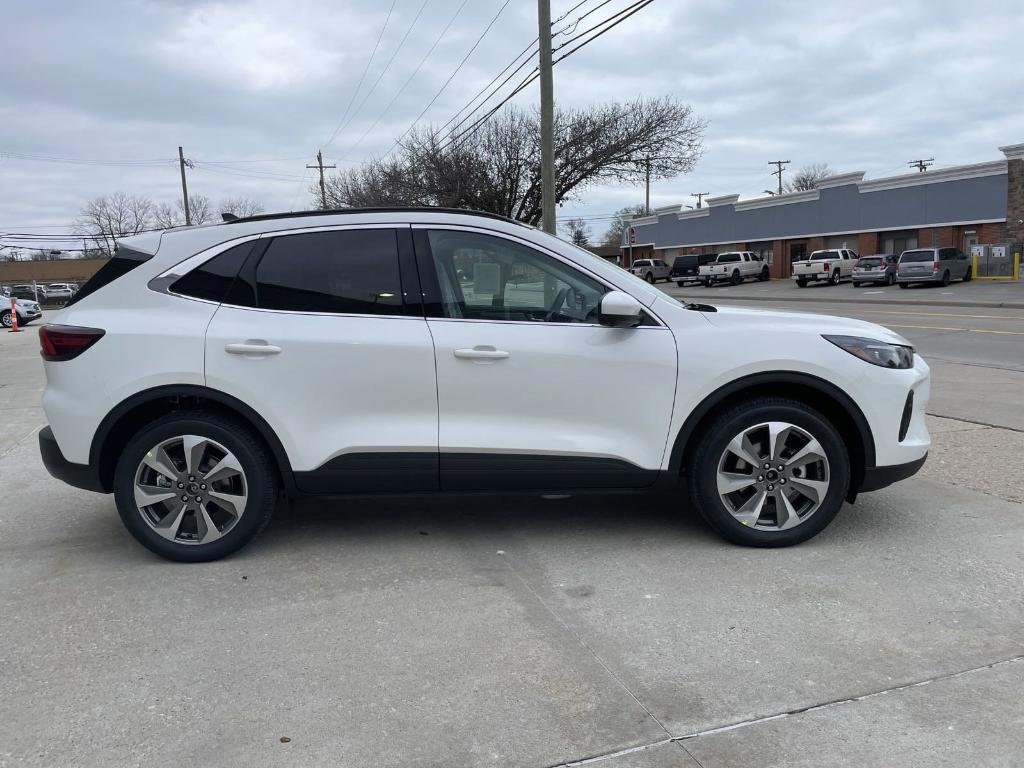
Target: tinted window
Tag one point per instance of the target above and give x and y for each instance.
(213, 279)
(641, 263)
(350, 272)
(728, 258)
(123, 261)
(910, 257)
(490, 278)
(819, 255)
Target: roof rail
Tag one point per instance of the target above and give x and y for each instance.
(382, 209)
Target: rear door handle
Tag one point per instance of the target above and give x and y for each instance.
(252, 347)
(481, 352)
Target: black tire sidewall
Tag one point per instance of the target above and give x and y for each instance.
(703, 474)
(260, 474)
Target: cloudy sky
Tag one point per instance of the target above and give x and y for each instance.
(96, 96)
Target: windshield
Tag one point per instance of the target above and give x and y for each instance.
(917, 256)
(819, 255)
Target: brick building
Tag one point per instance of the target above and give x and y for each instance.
(962, 206)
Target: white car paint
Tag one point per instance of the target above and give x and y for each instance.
(350, 384)
(822, 265)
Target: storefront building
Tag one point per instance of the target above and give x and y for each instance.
(961, 206)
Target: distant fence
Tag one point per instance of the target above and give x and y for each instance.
(45, 272)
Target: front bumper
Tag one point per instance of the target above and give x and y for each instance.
(82, 476)
(876, 478)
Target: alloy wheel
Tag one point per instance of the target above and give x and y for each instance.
(7, 320)
(773, 476)
(190, 489)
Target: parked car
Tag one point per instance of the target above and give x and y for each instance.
(733, 267)
(651, 270)
(830, 266)
(933, 265)
(59, 292)
(686, 269)
(880, 268)
(26, 310)
(165, 374)
(28, 291)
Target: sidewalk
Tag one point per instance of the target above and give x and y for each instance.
(977, 293)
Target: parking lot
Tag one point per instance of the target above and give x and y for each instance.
(526, 632)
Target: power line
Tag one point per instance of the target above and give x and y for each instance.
(453, 74)
(535, 74)
(636, 7)
(601, 23)
(153, 162)
(922, 165)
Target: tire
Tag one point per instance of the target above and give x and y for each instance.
(707, 282)
(5, 318)
(801, 282)
(736, 278)
(764, 275)
(856, 285)
(904, 285)
(945, 279)
(890, 278)
(649, 278)
(969, 274)
(259, 482)
(711, 451)
(836, 278)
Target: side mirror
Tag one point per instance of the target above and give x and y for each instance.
(619, 310)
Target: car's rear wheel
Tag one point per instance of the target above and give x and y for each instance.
(904, 285)
(736, 278)
(802, 282)
(649, 278)
(707, 282)
(945, 278)
(890, 278)
(968, 274)
(856, 284)
(764, 275)
(195, 486)
(834, 280)
(770, 472)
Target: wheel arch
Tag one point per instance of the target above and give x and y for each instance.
(131, 414)
(828, 399)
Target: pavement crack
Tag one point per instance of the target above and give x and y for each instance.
(979, 423)
(612, 755)
(848, 700)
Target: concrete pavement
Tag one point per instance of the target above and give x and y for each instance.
(511, 631)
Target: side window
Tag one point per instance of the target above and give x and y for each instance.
(213, 279)
(351, 271)
(483, 277)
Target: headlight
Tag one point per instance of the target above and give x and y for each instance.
(875, 352)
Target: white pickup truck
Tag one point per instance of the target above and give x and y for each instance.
(734, 267)
(832, 265)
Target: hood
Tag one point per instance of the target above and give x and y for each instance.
(770, 320)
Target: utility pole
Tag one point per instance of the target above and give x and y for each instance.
(320, 165)
(779, 164)
(700, 196)
(921, 165)
(182, 162)
(547, 119)
(647, 197)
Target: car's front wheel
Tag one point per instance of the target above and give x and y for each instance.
(770, 472)
(195, 486)
(6, 319)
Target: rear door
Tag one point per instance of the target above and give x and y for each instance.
(533, 393)
(323, 334)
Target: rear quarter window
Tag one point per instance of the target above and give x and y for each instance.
(120, 264)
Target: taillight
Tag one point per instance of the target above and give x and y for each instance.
(935, 266)
(66, 342)
(825, 266)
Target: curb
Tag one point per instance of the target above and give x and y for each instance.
(898, 302)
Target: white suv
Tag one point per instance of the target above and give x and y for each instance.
(204, 372)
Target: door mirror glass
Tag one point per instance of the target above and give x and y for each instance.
(620, 310)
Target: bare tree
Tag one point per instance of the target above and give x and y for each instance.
(496, 166)
(240, 206)
(106, 219)
(200, 212)
(578, 231)
(613, 235)
(808, 177)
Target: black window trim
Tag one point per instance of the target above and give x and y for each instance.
(409, 282)
(431, 289)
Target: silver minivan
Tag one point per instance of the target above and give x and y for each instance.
(933, 265)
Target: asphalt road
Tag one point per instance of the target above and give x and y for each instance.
(521, 632)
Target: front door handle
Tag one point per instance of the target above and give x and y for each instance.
(481, 352)
(252, 347)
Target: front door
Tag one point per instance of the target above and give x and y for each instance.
(532, 392)
(333, 353)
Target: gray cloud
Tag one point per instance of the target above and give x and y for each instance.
(861, 87)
